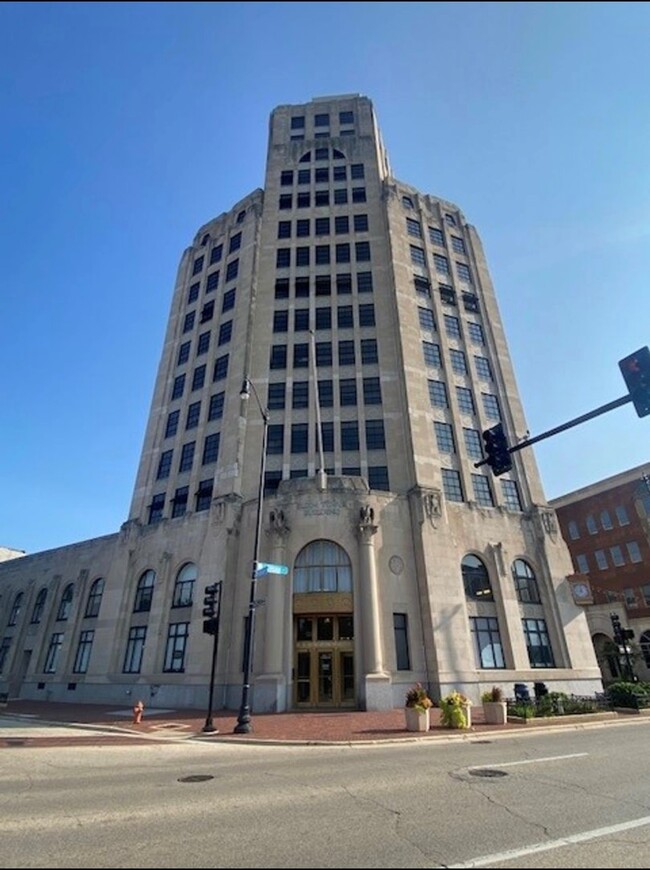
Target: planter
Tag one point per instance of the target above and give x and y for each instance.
(416, 720)
(495, 712)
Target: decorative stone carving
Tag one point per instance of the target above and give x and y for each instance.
(549, 522)
(396, 565)
(278, 527)
(367, 515)
(499, 561)
(432, 502)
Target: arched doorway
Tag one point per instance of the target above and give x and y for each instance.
(323, 628)
(608, 656)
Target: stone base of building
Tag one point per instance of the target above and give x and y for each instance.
(378, 691)
(270, 693)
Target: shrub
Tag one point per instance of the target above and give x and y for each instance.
(493, 694)
(453, 709)
(417, 697)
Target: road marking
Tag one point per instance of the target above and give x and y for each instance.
(529, 760)
(511, 854)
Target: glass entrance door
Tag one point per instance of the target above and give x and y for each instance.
(324, 661)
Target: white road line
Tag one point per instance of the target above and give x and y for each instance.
(528, 761)
(511, 854)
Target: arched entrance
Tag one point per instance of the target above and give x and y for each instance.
(323, 628)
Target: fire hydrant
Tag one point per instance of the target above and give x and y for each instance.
(138, 710)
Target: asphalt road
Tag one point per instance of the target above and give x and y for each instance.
(578, 798)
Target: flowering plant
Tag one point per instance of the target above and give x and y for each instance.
(417, 697)
(453, 708)
(494, 694)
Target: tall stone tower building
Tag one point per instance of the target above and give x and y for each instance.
(362, 314)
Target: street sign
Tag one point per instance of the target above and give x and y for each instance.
(264, 568)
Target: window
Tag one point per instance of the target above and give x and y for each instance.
(179, 502)
(164, 464)
(540, 654)
(457, 245)
(361, 224)
(413, 228)
(275, 439)
(464, 273)
(172, 424)
(225, 333)
(431, 353)
(378, 477)
(344, 317)
(483, 369)
(134, 650)
(574, 531)
(592, 528)
(220, 368)
(304, 200)
(207, 312)
(193, 293)
(400, 631)
(198, 265)
(144, 592)
(476, 332)
(450, 220)
(278, 356)
(275, 399)
(601, 559)
(204, 343)
(177, 636)
(452, 326)
(630, 597)
(470, 301)
(184, 353)
(322, 120)
(215, 410)
(367, 315)
(216, 254)
(301, 320)
(451, 485)
(4, 652)
(343, 253)
(422, 286)
(302, 228)
(322, 175)
(204, 495)
(349, 435)
(323, 285)
(322, 566)
(438, 394)
(375, 436)
(510, 493)
(213, 282)
(491, 406)
(407, 202)
(323, 353)
(39, 607)
(358, 194)
(211, 448)
(184, 586)
(621, 515)
(241, 216)
(65, 605)
(282, 288)
(606, 520)
(198, 378)
(633, 551)
(458, 362)
(284, 229)
(286, 178)
(447, 294)
(322, 197)
(325, 394)
(228, 300)
(346, 353)
(187, 456)
(340, 196)
(188, 323)
(362, 252)
(582, 564)
(285, 200)
(283, 258)
(339, 173)
(487, 642)
(444, 437)
(348, 391)
(56, 642)
(371, 391)
(299, 437)
(417, 256)
(156, 507)
(302, 256)
(525, 582)
(617, 556)
(327, 434)
(473, 443)
(84, 649)
(304, 176)
(280, 321)
(322, 255)
(426, 319)
(465, 401)
(441, 263)
(342, 225)
(300, 394)
(482, 491)
(364, 282)
(357, 170)
(436, 236)
(369, 351)
(298, 122)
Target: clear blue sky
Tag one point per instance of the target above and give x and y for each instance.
(125, 126)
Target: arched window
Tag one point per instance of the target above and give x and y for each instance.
(66, 603)
(95, 598)
(39, 606)
(407, 202)
(184, 587)
(144, 592)
(476, 579)
(15, 610)
(644, 641)
(525, 582)
(322, 566)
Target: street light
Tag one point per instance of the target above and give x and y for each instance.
(243, 725)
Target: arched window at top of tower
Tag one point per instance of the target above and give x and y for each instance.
(407, 202)
(476, 579)
(322, 154)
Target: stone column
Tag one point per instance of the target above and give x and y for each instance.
(271, 685)
(376, 679)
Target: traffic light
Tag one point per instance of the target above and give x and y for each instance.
(635, 369)
(497, 454)
(211, 608)
(628, 634)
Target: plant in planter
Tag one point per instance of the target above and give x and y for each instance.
(416, 708)
(455, 710)
(495, 709)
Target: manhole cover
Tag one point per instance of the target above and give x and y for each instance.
(197, 777)
(487, 772)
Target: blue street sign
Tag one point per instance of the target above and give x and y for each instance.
(269, 568)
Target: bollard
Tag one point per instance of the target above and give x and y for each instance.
(138, 711)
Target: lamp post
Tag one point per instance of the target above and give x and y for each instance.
(243, 725)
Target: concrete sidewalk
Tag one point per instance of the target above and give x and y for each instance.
(321, 727)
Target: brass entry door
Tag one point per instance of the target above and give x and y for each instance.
(324, 661)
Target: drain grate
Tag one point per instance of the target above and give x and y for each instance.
(487, 772)
(197, 777)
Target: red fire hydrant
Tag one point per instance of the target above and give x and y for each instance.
(138, 711)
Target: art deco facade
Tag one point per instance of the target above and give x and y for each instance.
(348, 298)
